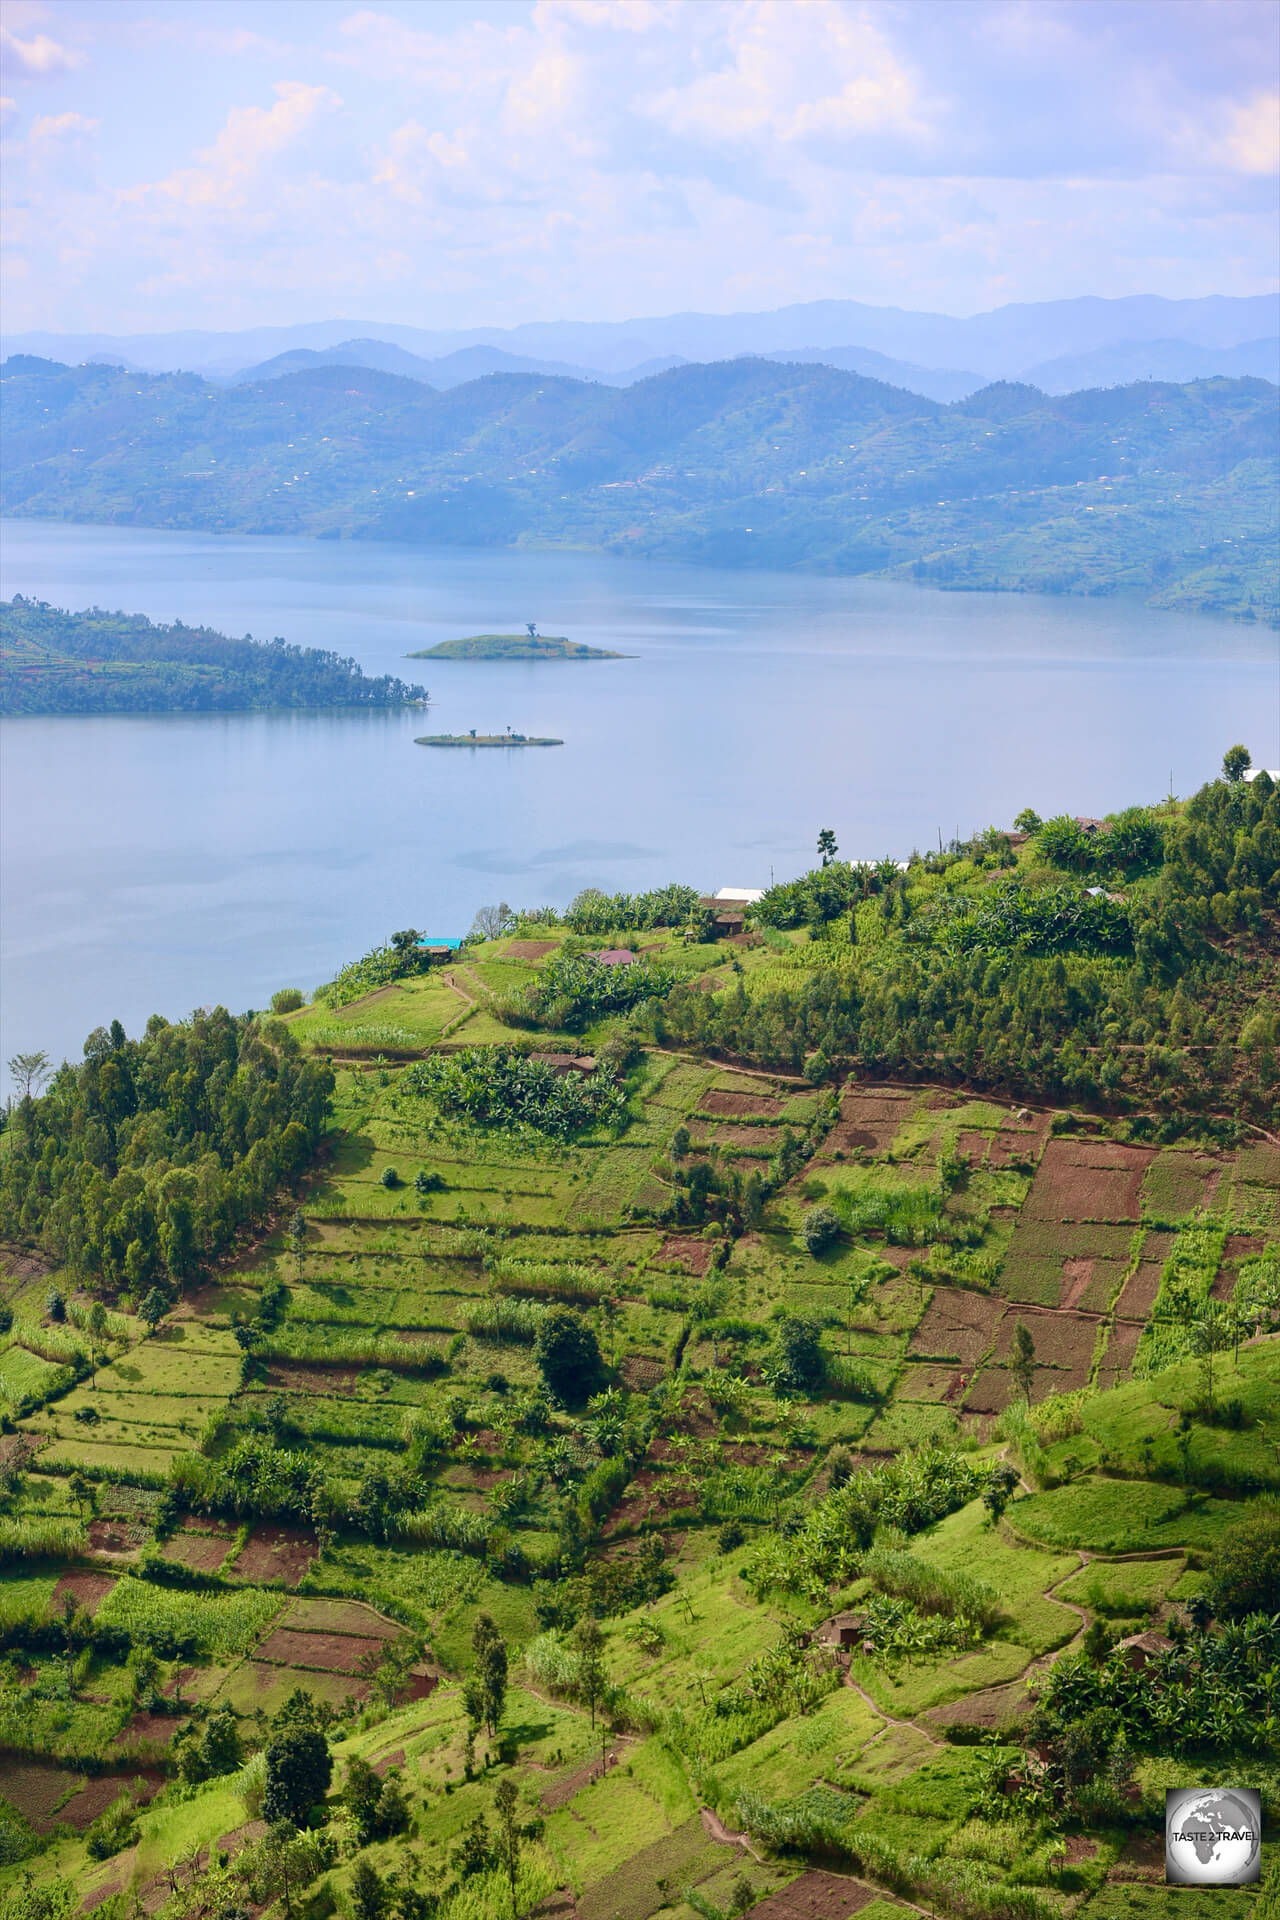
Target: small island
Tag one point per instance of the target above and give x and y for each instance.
(529, 645)
(474, 739)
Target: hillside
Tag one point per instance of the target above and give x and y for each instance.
(499, 1440)
(96, 662)
(1160, 491)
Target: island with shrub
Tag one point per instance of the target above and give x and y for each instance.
(514, 646)
(52, 661)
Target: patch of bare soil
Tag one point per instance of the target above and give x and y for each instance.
(1138, 1295)
(816, 1895)
(1067, 1189)
(20, 1264)
(560, 1792)
(747, 1138)
(275, 1553)
(393, 1759)
(530, 949)
(158, 1728)
(695, 1255)
(1007, 1147)
(957, 1324)
(1063, 1342)
(1118, 1359)
(1141, 1858)
(973, 1146)
(329, 1380)
(1076, 1275)
(328, 1652)
(34, 1787)
(991, 1392)
(241, 1837)
(84, 1807)
(90, 1589)
(732, 1106)
(201, 1548)
(640, 1374)
(116, 1536)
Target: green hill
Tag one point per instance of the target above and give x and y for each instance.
(794, 1416)
(1162, 491)
(96, 662)
(514, 646)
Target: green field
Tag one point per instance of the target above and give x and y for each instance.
(335, 1453)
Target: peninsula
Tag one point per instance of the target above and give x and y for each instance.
(52, 662)
(514, 646)
(474, 739)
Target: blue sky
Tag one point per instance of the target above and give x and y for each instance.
(226, 163)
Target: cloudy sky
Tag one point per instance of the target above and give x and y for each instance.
(225, 163)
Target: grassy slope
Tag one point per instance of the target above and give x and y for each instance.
(383, 1264)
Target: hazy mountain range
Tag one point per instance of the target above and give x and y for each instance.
(1060, 346)
(1161, 489)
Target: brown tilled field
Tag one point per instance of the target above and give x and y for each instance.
(816, 1895)
(1118, 1358)
(958, 1323)
(693, 1254)
(1140, 1290)
(330, 1652)
(1064, 1345)
(275, 1553)
(1069, 1188)
(201, 1548)
(90, 1589)
(737, 1106)
(765, 1139)
(530, 949)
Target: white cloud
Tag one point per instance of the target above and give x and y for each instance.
(797, 68)
(1251, 143)
(58, 126)
(39, 54)
(251, 137)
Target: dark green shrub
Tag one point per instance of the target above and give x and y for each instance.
(821, 1229)
(390, 1178)
(1244, 1572)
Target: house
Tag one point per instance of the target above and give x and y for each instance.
(1087, 824)
(726, 920)
(737, 896)
(616, 957)
(1140, 1648)
(565, 1063)
(435, 952)
(842, 1630)
(1272, 773)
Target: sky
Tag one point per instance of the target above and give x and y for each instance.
(443, 163)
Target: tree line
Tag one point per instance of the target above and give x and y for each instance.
(150, 1156)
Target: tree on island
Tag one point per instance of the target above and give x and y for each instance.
(531, 628)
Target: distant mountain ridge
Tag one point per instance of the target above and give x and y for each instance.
(1163, 490)
(1003, 343)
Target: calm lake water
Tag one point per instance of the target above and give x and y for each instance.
(155, 864)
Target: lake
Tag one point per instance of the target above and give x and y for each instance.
(153, 864)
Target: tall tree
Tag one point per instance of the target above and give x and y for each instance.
(29, 1071)
(1022, 1360)
(506, 1806)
